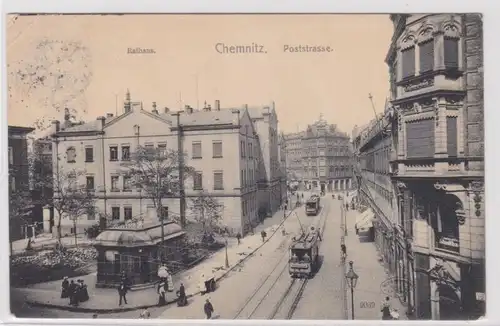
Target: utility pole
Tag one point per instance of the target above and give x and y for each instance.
(180, 158)
(163, 215)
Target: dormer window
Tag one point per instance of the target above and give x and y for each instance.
(71, 155)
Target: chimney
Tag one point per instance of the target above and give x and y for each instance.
(217, 105)
(155, 111)
(188, 109)
(55, 126)
(167, 110)
(103, 122)
(109, 115)
(127, 103)
(207, 108)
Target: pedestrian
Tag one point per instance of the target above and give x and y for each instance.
(356, 229)
(208, 308)
(182, 301)
(161, 293)
(319, 234)
(263, 234)
(84, 293)
(386, 309)
(238, 237)
(65, 288)
(343, 250)
(346, 207)
(122, 292)
(72, 289)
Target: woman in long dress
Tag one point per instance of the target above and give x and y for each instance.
(161, 294)
(65, 288)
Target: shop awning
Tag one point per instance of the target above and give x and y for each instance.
(365, 219)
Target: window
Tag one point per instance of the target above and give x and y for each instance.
(420, 139)
(125, 153)
(241, 178)
(447, 228)
(451, 136)
(11, 156)
(115, 213)
(218, 180)
(198, 181)
(90, 182)
(217, 149)
(196, 150)
(162, 149)
(89, 154)
(164, 213)
(127, 213)
(427, 56)
(250, 152)
(242, 149)
(91, 213)
(114, 183)
(408, 59)
(113, 153)
(127, 183)
(71, 155)
(451, 53)
(149, 148)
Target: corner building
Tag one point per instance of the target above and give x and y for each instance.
(436, 74)
(231, 157)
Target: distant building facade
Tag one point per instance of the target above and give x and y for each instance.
(222, 145)
(437, 164)
(321, 157)
(19, 178)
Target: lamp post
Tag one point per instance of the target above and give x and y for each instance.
(227, 258)
(352, 280)
(344, 217)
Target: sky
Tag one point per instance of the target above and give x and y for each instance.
(186, 69)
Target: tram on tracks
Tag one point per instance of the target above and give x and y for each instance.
(304, 252)
(313, 205)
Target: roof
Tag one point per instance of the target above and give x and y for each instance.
(136, 235)
(213, 117)
(88, 126)
(20, 130)
(258, 111)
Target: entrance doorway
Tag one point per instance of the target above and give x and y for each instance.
(322, 187)
(449, 303)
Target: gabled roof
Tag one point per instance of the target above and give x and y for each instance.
(88, 126)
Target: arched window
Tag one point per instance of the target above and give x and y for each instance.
(71, 155)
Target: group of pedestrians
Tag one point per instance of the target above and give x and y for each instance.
(76, 291)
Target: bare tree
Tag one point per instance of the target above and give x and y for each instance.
(20, 206)
(156, 172)
(207, 212)
(71, 199)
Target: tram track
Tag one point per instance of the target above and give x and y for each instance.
(287, 302)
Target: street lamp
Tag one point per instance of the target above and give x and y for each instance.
(227, 258)
(352, 280)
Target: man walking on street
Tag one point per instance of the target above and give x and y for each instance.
(343, 249)
(238, 237)
(263, 234)
(208, 308)
(122, 292)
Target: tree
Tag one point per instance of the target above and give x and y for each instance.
(207, 212)
(156, 172)
(20, 207)
(71, 200)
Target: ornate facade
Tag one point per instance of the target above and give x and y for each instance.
(437, 165)
(322, 157)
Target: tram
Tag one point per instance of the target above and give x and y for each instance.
(303, 261)
(313, 205)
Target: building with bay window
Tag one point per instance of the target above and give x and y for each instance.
(437, 164)
(321, 156)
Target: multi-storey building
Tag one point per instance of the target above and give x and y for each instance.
(326, 158)
(270, 180)
(211, 138)
(19, 178)
(293, 153)
(436, 75)
(373, 147)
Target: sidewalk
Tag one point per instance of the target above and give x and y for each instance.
(106, 300)
(368, 294)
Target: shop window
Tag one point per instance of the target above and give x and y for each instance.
(446, 224)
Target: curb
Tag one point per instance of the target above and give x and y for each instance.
(114, 310)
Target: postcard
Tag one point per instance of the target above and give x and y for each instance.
(237, 166)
